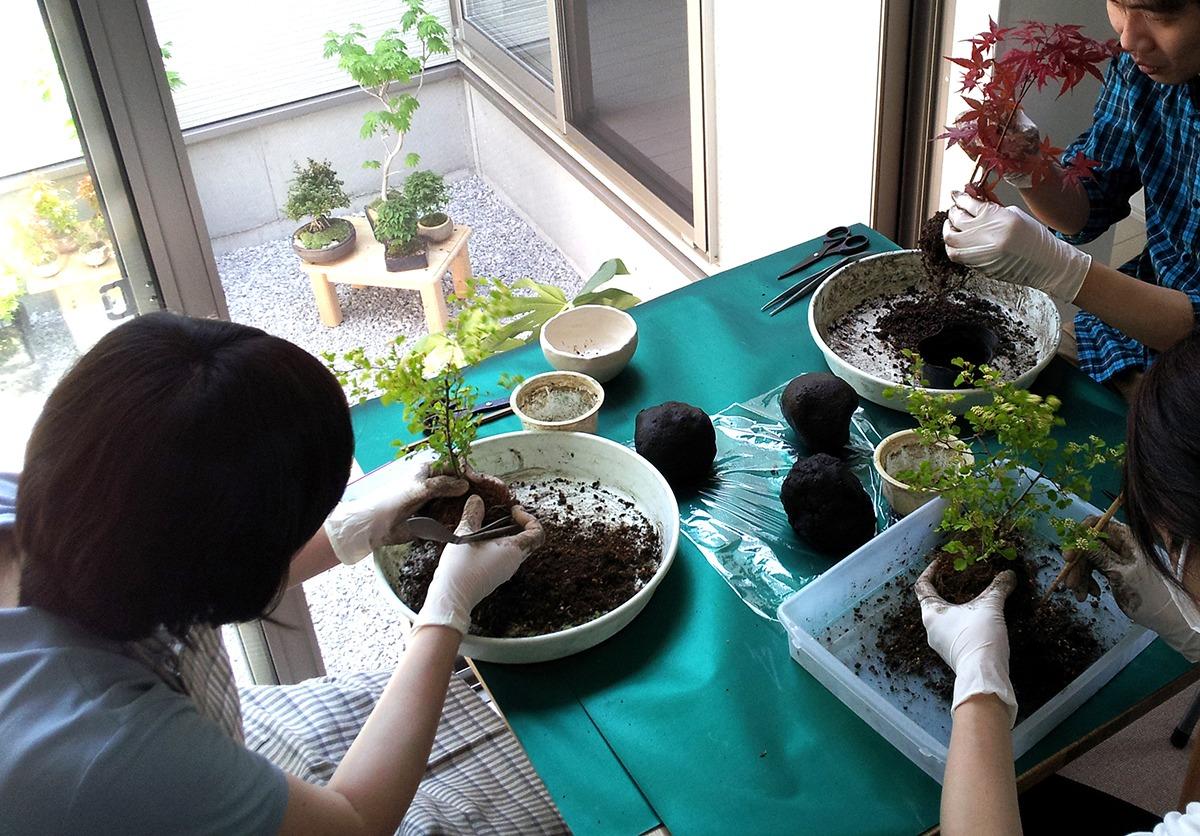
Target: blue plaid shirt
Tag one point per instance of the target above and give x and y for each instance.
(1143, 134)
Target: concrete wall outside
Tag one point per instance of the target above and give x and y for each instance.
(561, 208)
(242, 176)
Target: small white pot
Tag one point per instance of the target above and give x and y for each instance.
(558, 401)
(437, 233)
(903, 451)
(596, 340)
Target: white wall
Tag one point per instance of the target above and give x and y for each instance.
(242, 177)
(559, 206)
(795, 121)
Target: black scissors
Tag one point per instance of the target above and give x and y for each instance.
(838, 241)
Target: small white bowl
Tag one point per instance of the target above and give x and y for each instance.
(902, 451)
(558, 401)
(596, 340)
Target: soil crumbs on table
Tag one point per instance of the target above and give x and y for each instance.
(1050, 645)
(872, 335)
(599, 551)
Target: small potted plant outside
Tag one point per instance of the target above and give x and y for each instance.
(94, 246)
(396, 229)
(55, 210)
(426, 193)
(314, 192)
(38, 248)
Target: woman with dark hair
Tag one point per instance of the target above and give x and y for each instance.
(1153, 577)
(181, 476)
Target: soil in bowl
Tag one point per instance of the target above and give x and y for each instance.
(599, 551)
(1050, 644)
(900, 322)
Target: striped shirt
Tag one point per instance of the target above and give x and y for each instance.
(1143, 134)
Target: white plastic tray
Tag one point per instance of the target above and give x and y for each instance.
(827, 639)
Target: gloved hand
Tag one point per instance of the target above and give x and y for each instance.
(469, 572)
(1004, 243)
(972, 638)
(1139, 589)
(377, 517)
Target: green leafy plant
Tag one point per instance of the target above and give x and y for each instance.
(991, 505)
(314, 192)
(521, 317)
(174, 81)
(427, 194)
(389, 62)
(395, 222)
(93, 231)
(11, 291)
(53, 208)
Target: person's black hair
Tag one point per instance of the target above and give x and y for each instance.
(1162, 459)
(173, 474)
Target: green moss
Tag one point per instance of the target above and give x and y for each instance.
(335, 233)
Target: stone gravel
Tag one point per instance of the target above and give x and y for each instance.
(358, 629)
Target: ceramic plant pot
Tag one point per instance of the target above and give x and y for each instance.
(95, 254)
(435, 227)
(49, 268)
(596, 340)
(903, 451)
(417, 260)
(326, 255)
(558, 401)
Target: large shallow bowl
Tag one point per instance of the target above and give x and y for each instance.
(536, 455)
(892, 273)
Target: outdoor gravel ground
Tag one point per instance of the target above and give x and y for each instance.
(357, 628)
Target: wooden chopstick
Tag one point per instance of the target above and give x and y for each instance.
(1100, 525)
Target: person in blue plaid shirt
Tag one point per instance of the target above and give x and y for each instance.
(1145, 133)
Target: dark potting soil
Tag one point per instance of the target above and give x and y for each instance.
(946, 274)
(1050, 644)
(599, 551)
(497, 499)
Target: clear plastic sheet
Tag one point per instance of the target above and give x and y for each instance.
(736, 520)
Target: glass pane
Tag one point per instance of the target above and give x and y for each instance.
(520, 27)
(62, 282)
(629, 90)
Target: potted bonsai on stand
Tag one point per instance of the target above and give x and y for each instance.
(315, 192)
(426, 193)
(396, 229)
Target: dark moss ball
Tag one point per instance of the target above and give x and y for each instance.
(678, 439)
(818, 407)
(827, 506)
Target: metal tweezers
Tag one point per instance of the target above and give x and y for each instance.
(805, 286)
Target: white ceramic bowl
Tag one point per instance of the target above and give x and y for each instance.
(524, 455)
(596, 340)
(903, 451)
(544, 402)
(890, 274)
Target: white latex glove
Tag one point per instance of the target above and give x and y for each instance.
(972, 638)
(1004, 243)
(1139, 589)
(469, 572)
(377, 517)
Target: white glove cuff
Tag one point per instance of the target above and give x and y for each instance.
(349, 531)
(983, 674)
(436, 612)
(1065, 287)
(1019, 180)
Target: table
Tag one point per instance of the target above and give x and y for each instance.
(365, 267)
(695, 716)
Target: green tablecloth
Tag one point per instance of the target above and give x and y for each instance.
(695, 715)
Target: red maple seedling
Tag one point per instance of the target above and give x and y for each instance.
(1034, 55)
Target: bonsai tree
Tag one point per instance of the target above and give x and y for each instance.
(377, 69)
(991, 505)
(54, 210)
(1034, 55)
(396, 226)
(427, 194)
(314, 192)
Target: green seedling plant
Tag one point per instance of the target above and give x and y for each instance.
(991, 506)
(314, 192)
(388, 63)
(427, 194)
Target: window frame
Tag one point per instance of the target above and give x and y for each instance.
(552, 115)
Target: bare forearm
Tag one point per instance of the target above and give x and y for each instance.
(979, 796)
(316, 556)
(1154, 315)
(1059, 205)
(380, 773)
